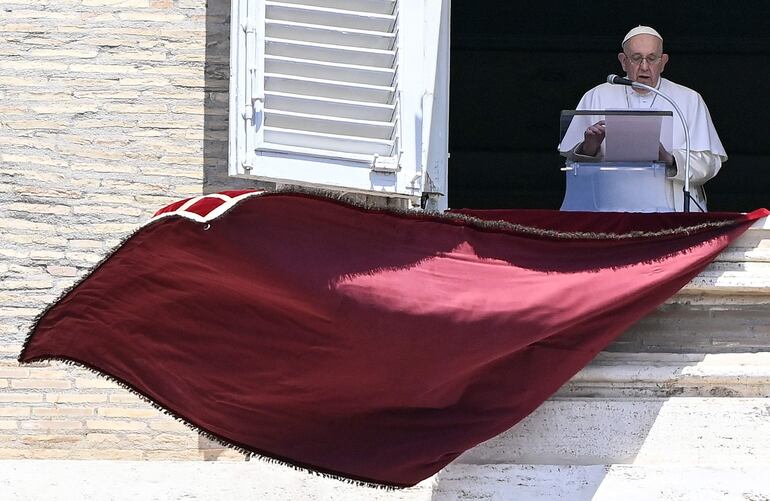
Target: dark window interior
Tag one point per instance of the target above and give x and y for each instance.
(514, 68)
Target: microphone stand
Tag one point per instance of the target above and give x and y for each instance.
(686, 189)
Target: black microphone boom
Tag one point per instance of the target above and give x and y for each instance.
(614, 79)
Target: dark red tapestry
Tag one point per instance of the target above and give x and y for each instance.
(363, 343)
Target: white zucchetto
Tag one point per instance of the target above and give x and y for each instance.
(640, 30)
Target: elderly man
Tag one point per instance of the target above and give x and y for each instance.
(643, 60)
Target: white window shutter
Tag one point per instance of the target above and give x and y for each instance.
(334, 93)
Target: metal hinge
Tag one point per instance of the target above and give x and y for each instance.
(386, 164)
(256, 107)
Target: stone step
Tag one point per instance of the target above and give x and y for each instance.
(624, 375)
(651, 431)
(185, 480)
(504, 482)
(701, 324)
(62, 480)
(752, 246)
(743, 268)
(722, 277)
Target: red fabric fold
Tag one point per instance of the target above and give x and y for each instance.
(363, 343)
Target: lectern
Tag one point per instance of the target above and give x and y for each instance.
(626, 177)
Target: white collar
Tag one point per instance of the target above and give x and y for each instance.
(641, 99)
(630, 91)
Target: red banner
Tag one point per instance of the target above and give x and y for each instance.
(363, 343)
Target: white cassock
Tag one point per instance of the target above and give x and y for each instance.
(706, 150)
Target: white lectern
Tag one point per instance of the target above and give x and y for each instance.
(626, 178)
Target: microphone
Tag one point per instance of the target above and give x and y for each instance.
(616, 80)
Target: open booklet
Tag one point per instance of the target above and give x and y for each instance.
(632, 135)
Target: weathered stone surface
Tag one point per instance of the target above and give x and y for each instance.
(682, 431)
(719, 324)
(217, 481)
(624, 375)
(165, 481)
(601, 483)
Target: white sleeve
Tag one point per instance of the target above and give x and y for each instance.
(580, 157)
(703, 166)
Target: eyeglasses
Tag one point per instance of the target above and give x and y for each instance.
(637, 59)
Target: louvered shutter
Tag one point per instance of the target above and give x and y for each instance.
(329, 92)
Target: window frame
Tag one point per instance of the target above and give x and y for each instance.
(418, 170)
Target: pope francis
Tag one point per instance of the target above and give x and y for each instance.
(643, 60)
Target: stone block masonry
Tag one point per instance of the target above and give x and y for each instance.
(109, 109)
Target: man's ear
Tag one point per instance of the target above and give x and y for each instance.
(663, 61)
(622, 58)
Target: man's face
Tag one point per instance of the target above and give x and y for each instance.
(636, 59)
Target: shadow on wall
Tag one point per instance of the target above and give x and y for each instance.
(211, 450)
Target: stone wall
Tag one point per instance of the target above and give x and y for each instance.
(109, 109)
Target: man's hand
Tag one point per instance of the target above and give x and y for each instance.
(665, 156)
(592, 139)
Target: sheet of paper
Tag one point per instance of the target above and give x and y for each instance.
(632, 138)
